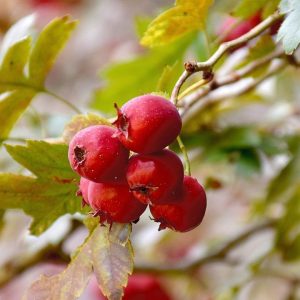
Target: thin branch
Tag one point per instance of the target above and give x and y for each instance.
(207, 66)
(212, 255)
(187, 167)
(213, 98)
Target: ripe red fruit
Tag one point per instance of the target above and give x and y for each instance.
(140, 287)
(114, 202)
(148, 124)
(240, 29)
(97, 155)
(187, 213)
(154, 178)
(83, 190)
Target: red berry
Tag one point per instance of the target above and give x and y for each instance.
(148, 124)
(140, 287)
(187, 213)
(240, 29)
(97, 155)
(83, 190)
(114, 202)
(153, 178)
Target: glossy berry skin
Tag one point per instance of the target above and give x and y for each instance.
(154, 178)
(114, 202)
(240, 29)
(96, 154)
(187, 213)
(83, 190)
(140, 287)
(148, 124)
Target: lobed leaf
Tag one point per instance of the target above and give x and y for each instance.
(184, 17)
(49, 195)
(106, 251)
(289, 32)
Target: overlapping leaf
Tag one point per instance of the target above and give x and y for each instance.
(289, 32)
(47, 195)
(184, 17)
(247, 8)
(106, 251)
(18, 87)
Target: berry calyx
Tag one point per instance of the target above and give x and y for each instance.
(148, 123)
(154, 178)
(83, 190)
(96, 154)
(187, 213)
(113, 202)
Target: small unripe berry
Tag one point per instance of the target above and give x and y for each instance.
(154, 178)
(185, 214)
(96, 154)
(114, 202)
(148, 123)
(83, 190)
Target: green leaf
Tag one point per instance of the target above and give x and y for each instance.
(17, 89)
(186, 16)
(287, 235)
(247, 8)
(49, 195)
(106, 251)
(138, 76)
(284, 185)
(289, 32)
(79, 122)
(47, 47)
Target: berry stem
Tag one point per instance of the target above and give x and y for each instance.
(187, 165)
(63, 100)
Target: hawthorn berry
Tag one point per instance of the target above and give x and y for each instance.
(148, 123)
(140, 287)
(114, 202)
(240, 29)
(154, 178)
(185, 214)
(83, 190)
(96, 154)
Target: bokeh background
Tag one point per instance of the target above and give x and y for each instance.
(238, 148)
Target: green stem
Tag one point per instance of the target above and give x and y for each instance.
(207, 42)
(187, 165)
(63, 100)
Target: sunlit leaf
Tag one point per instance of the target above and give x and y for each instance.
(184, 17)
(17, 88)
(107, 252)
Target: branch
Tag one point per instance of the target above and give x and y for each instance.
(212, 255)
(214, 98)
(207, 66)
(230, 78)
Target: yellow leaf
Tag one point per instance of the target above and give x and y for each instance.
(184, 17)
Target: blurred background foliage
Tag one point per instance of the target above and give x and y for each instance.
(243, 143)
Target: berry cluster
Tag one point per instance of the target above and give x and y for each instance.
(117, 187)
